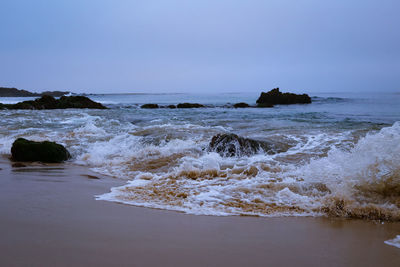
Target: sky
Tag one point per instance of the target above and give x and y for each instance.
(160, 46)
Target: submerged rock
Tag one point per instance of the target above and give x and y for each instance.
(149, 106)
(26, 150)
(190, 105)
(241, 105)
(276, 97)
(49, 102)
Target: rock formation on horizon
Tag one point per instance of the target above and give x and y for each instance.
(274, 97)
(49, 102)
(14, 92)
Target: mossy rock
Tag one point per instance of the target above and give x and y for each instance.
(49, 152)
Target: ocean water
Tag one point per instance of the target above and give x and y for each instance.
(342, 153)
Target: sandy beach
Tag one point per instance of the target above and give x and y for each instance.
(49, 217)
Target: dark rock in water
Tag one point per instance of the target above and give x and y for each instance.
(276, 97)
(149, 106)
(18, 165)
(241, 105)
(49, 102)
(171, 106)
(230, 145)
(190, 105)
(265, 105)
(78, 102)
(26, 150)
(45, 102)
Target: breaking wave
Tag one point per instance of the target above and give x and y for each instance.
(327, 166)
(361, 182)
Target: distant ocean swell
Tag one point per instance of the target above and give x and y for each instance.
(330, 167)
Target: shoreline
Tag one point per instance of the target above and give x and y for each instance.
(49, 217)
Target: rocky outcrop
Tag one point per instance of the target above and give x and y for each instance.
(78, 102)
(190, 105)
(49, 102)
(26, 150)
(14, 92)
(276, 97)
(171, 106)
(149, 106)
(241, 105)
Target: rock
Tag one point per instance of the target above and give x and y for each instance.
(49, 102)
(26, 150)
(14, 92)
(190, 105)
(18, 165)
(45, 102)
(241, 105)
(276, 97)
(78, 102)
(149, 106)
(230, 145)
(171, 106)
(265, 105)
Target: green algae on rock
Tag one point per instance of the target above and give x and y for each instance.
(49, 152)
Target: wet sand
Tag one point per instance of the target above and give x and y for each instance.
(49, 217)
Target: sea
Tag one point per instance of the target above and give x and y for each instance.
(340, 156)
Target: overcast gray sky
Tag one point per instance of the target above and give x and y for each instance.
(200, 46)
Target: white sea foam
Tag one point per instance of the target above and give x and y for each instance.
(394, 242)
(344, 183)
(166, 165)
